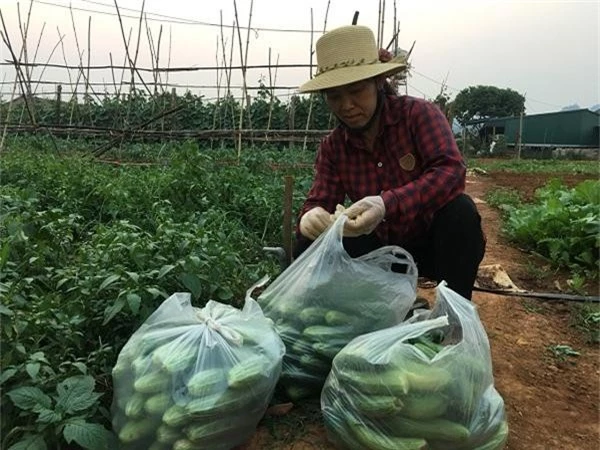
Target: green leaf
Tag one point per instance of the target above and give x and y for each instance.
(39, 356)
(5, 310)
(32, 370)
(90, 436)
(76, 394)
(224, 294)
(193, 283)
(165, 270)
(6, 375)
(28, 397)
(81, 367)
(134, 276)
(49, 416)
(134, 301)
(112, 310)
(30, 442)
(108, 281)
(155, 292)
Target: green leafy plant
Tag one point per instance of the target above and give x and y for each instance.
(65, 414)
(563, 225)
(586, 318)
(562, 352)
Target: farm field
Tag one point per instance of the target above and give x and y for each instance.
(89, 249)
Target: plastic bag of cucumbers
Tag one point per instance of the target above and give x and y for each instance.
(325, 298)
(421, 385)
(195, 378)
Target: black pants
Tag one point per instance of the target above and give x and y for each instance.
(451, 251)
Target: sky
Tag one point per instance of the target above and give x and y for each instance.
(547, 50)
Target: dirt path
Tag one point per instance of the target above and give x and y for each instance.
(550, 404)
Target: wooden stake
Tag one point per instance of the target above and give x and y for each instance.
(288, 197)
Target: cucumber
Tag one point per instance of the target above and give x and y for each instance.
(434, 429)
(248, 372)
(390, 382)
(167, 435)
(158, 404)
(313, 315)
(136, 430)
(376, 405)
(206, 382)
(423, 406)
(152, 383)
(374, 439)
(135, 405)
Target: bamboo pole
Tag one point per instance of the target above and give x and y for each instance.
(37, 48)
(159, 77)
(164, 97)
(89, 56)
(273, 90)
(137, 48)
(227, 72)
(47, 60)
(223, 48)
(24, 30)
(6, 39)
(310, 102)
(232, 105)
(243, 63)
(152, 55)
(24, 36)
(79, 53)
(132, 65)
(162, 69)
(112, 71)
(64, 53)
(217, 106)
(20, 75)
(394, 32)
(379, 25)
(58, 103)
(326, 15)
(382, 23)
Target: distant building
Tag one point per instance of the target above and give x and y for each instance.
(575, 129)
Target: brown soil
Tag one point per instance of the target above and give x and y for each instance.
(551, 403)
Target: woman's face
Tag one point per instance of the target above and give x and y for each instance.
(354, 104)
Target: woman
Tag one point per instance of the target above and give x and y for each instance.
(396, 159)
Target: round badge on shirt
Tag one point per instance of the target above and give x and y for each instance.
(407, 162)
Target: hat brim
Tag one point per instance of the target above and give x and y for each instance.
(348, 75)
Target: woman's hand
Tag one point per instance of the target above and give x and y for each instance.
(314, 222)
(364, 216)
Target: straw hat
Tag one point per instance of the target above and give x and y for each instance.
(346, 55)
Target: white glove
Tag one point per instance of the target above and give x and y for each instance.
(314, 222)
(364, 216)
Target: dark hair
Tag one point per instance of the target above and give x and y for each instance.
(389, 88)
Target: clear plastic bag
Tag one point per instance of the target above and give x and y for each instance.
(325, 298)
(423, 384)
(195, 377)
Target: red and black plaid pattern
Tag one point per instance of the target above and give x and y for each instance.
(415, 166)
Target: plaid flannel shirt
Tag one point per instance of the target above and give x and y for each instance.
(415, 166)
